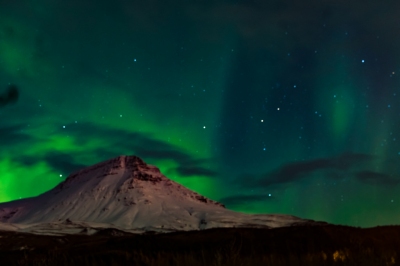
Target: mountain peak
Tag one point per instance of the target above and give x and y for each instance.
(128, 193)
(121, 161)
(111, 166)
(130, 161)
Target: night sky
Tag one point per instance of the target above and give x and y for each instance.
(266, 106)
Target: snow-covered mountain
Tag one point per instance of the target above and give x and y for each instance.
(128, 194)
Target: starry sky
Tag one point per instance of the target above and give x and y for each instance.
(277, 106)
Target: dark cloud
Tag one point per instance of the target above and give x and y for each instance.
(297, 170)
(195, 171)
(63, 163)
(377, 178)
(348, 160)
(195, 167)
(294, 171)
(235, 200)
(118, 142)
(12, 135)
(10, 96)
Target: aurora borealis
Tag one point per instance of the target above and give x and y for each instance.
(266, 106)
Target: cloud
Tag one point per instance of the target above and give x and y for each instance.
(64, 163)
(12, 135)
(61, 162)
(349, 163)
(297, 170)
(195, 171)
(376, 178)
(118, 142)
(10, 96)
(195, 167)
(235, 200)
(115, 142)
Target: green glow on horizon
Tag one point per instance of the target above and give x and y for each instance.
(19, 181)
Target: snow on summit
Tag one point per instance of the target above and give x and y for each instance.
(128, 194)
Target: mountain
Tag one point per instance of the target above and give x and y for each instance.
(127, 194)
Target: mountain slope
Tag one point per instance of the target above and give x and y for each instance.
(126, 193)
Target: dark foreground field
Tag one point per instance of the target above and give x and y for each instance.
(304, 245)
